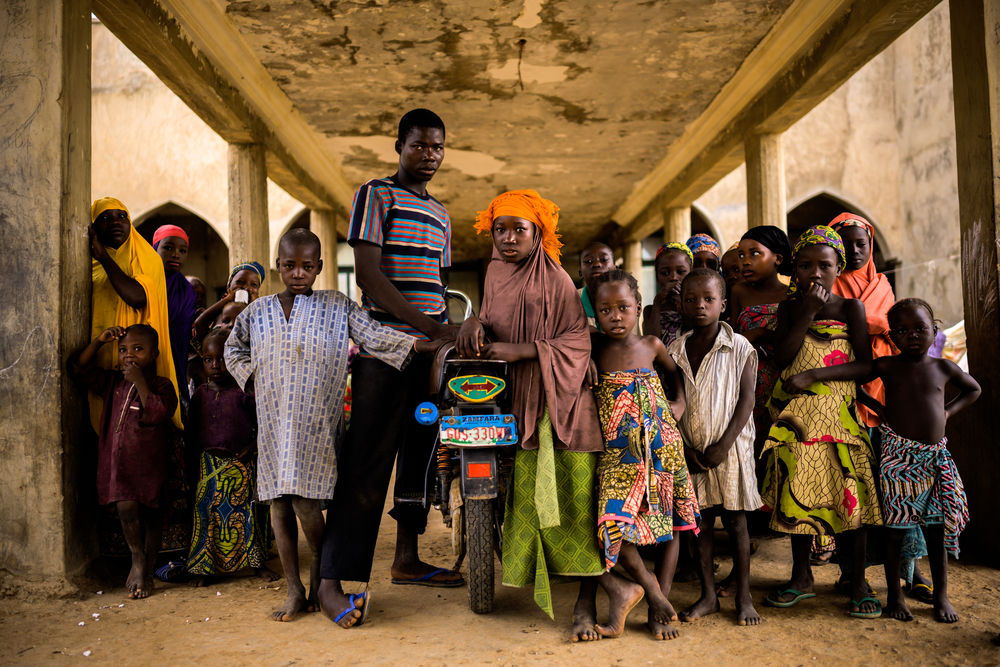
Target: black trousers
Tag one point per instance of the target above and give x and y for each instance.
(383, 430)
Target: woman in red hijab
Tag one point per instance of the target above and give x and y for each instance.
(534, 314)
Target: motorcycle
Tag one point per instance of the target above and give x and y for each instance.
(468, 472)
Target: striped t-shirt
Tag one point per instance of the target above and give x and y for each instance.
(414, 233)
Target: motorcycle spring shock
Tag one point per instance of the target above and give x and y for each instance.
(443, 460)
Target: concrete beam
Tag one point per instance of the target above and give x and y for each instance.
(975, 56)
(199, 54)
(46, 533)
(249, 230)
(811, 51)
(765, 181)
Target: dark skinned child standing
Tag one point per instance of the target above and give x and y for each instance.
(719, 368)
(132, 455)
(645, 495)
(401, 237)
(821, 480)
(920, 483)
(295, 347)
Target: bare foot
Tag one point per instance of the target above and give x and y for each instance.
(332, 602)
(897, 609)
(943, 611)
(584, 623)
(200, 581)
(623, 596)
(266, 573)
(703, 607)
(727, 587)
(294, 603)
(745, 612)
(659, 625)
(135, 577)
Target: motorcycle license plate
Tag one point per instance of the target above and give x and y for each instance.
(479, 431)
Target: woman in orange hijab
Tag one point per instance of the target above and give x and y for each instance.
(861, 281)
(537, 320)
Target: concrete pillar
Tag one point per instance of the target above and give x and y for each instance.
(45, 531)
(975, 57)
(633, 264)
(633, 258)
(676, 224)
(324, 225)
(249, 226)
(765, 181)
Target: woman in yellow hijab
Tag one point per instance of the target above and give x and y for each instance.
(129, 288)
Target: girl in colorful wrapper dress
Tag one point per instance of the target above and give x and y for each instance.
(645, 495)
(861, 280)
(821, 478)
(229, 534)
(663, 318)
(537, 320)
(764, 254)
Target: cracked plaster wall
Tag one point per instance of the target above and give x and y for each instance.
(44, 262)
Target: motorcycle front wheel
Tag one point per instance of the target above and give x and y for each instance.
(479, 550)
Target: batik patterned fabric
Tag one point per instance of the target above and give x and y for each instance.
(817, 235)
(299, 369)
(227, 535)
(675, 245)
(542, 557)
(711, 398)
(644, 490)
(671, 326)
(764, 315)
(821, 481)
(704, 243)
(921, 486)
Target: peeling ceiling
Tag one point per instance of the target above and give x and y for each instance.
(578, 100)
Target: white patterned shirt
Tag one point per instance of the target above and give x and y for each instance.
(711, 402)
(299, 368)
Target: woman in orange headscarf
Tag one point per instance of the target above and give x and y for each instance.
(537, 320)
(861, 281)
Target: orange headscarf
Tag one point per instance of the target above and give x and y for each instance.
(873, 289)
(529, 205)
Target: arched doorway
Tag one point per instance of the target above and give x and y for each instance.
(824, 207)
(208, 255)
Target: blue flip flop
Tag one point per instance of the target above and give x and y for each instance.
(426, 580)
(367, 597)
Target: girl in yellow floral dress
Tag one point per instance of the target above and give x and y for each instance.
(821, 480)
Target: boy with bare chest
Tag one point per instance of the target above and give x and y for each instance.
(920, 483)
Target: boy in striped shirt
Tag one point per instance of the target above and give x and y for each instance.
(401, 238)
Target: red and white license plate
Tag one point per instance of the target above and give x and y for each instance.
(479, 431)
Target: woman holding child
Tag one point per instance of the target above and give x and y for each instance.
(537, 321)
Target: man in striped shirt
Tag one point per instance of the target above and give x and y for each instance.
(401, 238)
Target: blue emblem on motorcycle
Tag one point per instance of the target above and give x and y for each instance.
(426, 413)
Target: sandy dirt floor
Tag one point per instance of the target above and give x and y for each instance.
(228, 624)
